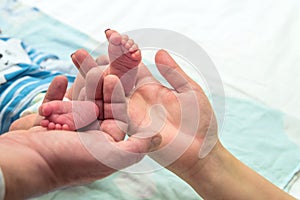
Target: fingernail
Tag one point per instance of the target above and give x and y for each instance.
(106, 30)
(72, 54)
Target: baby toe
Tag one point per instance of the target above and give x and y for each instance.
(129, 44)
(124, 39)
(133, 48)
(51, 126)
(58, 127)
(136, 55)
(115, 38)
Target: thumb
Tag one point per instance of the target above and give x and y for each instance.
(83, 61)
(118, 155)
(172, 72)
(140, 144)
(135, 148)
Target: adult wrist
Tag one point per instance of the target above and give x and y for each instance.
(205, 174)
(220, 171)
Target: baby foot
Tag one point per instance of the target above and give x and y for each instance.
(123, 52)
(124, 56)
(68, 115)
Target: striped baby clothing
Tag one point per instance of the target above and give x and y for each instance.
(23, 75)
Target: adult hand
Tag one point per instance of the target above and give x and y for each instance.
(182, 115)
(190, 146)
(37, 161)
(205, 163)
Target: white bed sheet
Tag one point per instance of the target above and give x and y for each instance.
(254, 44)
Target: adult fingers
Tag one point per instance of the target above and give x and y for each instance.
(118, 155)
(115, 121)
(75, 90)
(115, 106)
(135, 147)
(94, 83)
(83, 61)
(115, 128)
(57, 89)
(144, 76)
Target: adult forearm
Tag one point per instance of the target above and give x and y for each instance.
(221, 176)
(23, 177)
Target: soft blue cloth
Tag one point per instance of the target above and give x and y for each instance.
(255, 134)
